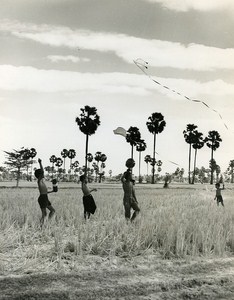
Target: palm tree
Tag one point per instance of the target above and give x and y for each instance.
(102, 172)
(140, 147)
(189, 135)
(48, 169)
(76, 170)
(218, 171)
(89, 157)
(96, 170)
(33, 153)
(155, 126)
(26, 157)
(147, 160)
(64, 154)
(159, 165)
(58, 163)
(71, 154)
(53, 160)
(133, 136)
(103, 158)
(75, 165)
(97, 157)
(231, 169)
(88, 123)
(213, 142)
(197, 144)
(212, 166)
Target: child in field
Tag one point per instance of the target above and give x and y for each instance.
(129, 199)
(218, 195)
(43, 198)
(88, 201)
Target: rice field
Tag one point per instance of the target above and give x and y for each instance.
(174, 223)
(180, 246)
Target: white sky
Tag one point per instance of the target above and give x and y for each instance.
(58, 56)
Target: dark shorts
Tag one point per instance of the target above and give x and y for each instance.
(44, 201)
(89, 204)
(219, 198)
(131, 204)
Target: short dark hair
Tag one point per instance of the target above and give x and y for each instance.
(82, 178)
(38, 173)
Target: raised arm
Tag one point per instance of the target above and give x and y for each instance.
(40, 163)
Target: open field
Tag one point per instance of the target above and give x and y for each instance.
(180, 247)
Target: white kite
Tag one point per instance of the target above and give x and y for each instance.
(120, 131)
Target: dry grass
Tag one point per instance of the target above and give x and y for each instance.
(173, 223)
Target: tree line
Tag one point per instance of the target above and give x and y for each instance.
(88, 122)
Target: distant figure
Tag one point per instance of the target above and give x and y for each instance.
(88, 201)
(167, 181)
(218, 195)
(129, 200)
(43, 198)
(55, 186)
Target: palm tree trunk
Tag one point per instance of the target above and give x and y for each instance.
(139, 166)
(212, 171)
(27, 172)
(132, 152)
(64, 165)
(194, 167)
(18, 177)
(86, 152)
(98, 171)
(71, 168)
(190, 146)
(153, 171)
(31, 171)
(52, 171)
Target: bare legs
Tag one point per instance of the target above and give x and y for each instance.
(44, 213)
(86, 214)
(127, 208)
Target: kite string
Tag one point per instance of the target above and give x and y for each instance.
(143, 66)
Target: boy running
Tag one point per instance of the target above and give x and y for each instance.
(88, 201)
(218, 195)
(129, 199)
(43, 198)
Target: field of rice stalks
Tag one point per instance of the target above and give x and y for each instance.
(173, 223)
(180, 246)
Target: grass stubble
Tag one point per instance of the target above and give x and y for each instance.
(179, 231)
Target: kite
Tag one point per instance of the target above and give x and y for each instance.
(123, 132)
(120, 131)
(143, 66)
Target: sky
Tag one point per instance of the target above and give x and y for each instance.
(57, 56)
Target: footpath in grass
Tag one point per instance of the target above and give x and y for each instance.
(146, 277)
